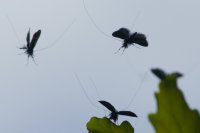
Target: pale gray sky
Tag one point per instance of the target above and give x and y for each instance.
(46, 98)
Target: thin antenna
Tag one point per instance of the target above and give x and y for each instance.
(98, 94)
(137, 91)
(135, 19)
(93, 22)
(93, 83)
(60, 36)
(84, 91)
(13, 28)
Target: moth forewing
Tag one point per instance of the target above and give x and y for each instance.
(108, 106)
(35, 39)
(122, 33)
(28, 38)
(139, 39)
(127, 113)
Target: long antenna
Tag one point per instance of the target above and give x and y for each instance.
(13, 29)
(98, 94)
(84, 91)
(137, 91)
(93, 22)
(96, 89)
(97, 27)
(135, 19)
(60, 36)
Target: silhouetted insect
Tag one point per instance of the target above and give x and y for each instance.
(130, 38)
(114, 113)
(31, 44)
(162, 75)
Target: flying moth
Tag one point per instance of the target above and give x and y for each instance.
(114, 113)
(130, 38)
(29, 48)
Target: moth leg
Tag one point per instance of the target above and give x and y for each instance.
(116, 122)
(123, 51)
(118, 50)
(27, 60)
(24, 47)
(21, 53)
(34, 60)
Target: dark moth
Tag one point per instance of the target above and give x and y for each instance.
(114, 113)
(29, 48)
(130, 38)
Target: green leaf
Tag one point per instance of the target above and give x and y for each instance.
(173, 114)
(104, 125)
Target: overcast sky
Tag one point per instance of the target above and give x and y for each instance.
(47, 98)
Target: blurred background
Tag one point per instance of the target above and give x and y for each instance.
(47, 97)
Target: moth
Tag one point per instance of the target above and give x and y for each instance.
(130, 38)
(114, 113)
(29, 48)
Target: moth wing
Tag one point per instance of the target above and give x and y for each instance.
(127, 113)
(108, 106)
(139, 39)
(35, 39)
(122, 33)
(28, 37)
(159, 73)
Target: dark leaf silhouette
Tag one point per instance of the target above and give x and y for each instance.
(177, 74)
(159, 73)
(162, 75)
(130, 38)
(31, 44)
(114, 113)
(173, 113)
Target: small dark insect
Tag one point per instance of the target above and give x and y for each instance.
(130, 38)
(161, 74)
(114, 113)
(31, 44)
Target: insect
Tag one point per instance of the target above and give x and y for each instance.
(130, 38)
(29, 48)
(114, 113)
